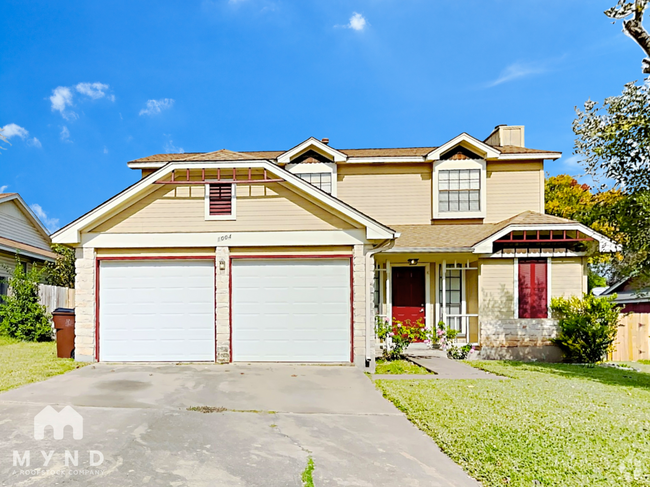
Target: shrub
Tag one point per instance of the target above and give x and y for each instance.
(21, 314)
(459, 353)
(442, 335)
(587, 327)
(402, 335)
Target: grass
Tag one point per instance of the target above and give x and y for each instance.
(549, 425)
(307, 477)
(399, 367)
(25, 362)
(644, 362)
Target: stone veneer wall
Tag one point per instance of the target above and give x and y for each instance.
(359, 293)
(223, 306)
(519, 339)
(84, 342)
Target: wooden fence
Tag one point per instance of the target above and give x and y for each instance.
(633, 340)
(55, 297)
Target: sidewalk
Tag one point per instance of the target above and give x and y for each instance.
(436, 361)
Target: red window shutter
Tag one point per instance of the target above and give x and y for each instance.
(220, 199)
(533, 288)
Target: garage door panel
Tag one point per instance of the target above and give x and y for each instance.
(291, 310)
(156, 310)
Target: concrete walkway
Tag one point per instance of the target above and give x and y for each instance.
(436, 361)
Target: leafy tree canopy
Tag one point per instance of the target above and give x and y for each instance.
(62, 272)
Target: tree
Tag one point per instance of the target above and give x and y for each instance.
(567, 198)
(21, 314)
(633, 26)
(62, 271)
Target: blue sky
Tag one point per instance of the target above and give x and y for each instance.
(88, 86)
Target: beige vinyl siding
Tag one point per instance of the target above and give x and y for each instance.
(472, 300)
(162, 252)
(270, 207)
(292, 251)
(8, 262)
(16, 226)
(567, 277)
(496, 288)
(513, 188)
(392, 194)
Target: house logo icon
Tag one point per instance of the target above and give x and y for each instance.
(58, 421)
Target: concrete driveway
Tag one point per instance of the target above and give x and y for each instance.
(276, 417)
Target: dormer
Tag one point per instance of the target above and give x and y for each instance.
(314, 161)
(459, 178)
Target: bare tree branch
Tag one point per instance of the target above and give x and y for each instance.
(633, 27)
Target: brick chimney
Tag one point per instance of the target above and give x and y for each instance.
(325, 141)
(507, 135)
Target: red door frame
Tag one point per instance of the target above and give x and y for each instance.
(297, 257)
(98, 259)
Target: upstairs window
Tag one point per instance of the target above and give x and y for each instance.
(459, 190)
(220, 201)
(533, 288)
(322, 180)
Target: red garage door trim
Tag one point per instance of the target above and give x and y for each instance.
(98, 260)
(303, 257)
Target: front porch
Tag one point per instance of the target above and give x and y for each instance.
(430, 288)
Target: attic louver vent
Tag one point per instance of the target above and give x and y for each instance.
(220, 199)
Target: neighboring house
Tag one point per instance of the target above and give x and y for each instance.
(289, 255)
(22, 234)
(634, 298)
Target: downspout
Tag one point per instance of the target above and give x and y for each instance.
(386, 245)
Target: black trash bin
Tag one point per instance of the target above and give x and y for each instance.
(64, 326)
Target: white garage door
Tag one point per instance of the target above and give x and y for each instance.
(292, 310)
(156, 310)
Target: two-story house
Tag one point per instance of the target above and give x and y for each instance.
(290, 255)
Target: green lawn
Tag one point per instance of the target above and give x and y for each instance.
(24, 362)
(398, 367)
(550, 424)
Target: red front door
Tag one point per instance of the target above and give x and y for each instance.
(408, 294)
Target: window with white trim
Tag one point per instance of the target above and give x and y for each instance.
(322, 180)
(459, 190)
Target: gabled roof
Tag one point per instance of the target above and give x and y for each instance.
(26, 249)
(314, 144)
(480, 237)
(220, 155)
(71, 233)
(467, 141)
(16, 198)
(627, 294)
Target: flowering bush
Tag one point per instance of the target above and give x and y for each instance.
(399, 336)
(459, 353)
(442, 335)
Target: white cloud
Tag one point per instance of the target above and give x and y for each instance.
(63, 96)
(93, 90)
(154, 107)
(60, 99)
(65, 134)
(3, 188)
(170, 148)
(518, 70)
(35, 142)
(105, 150)
(52, 224)
(357, 22)
(13, 130)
